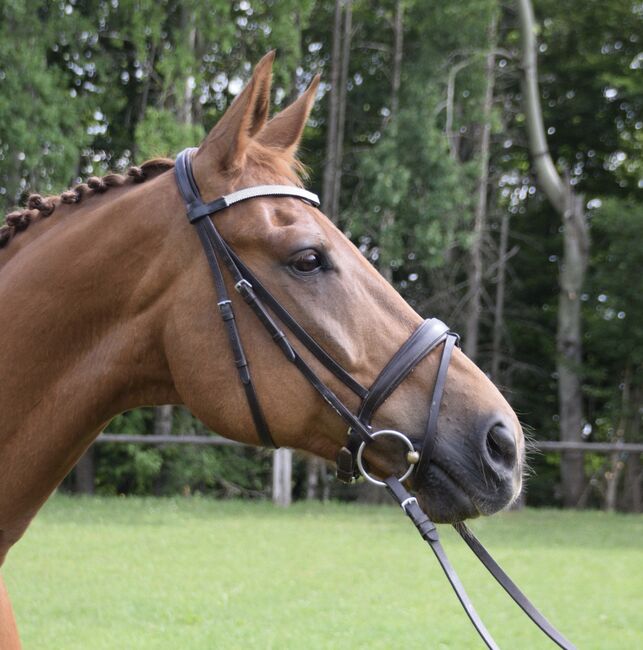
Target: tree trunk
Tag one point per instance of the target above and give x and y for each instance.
(293, 93)
(312, 478)
(633, 477)
(453, 137)
(184, 101)
(499, 308)
(617, 465)
(388, 218)
(572, 271)
(333, 113)
(387, 222)
(145, 93)
(163, 420)
(472, 327)
(341, 117)
(12, 182)
(612, 477)
(325, 482)
(85, 473)
(569, 344)
(398, 49)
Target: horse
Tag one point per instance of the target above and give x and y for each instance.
(107, 305)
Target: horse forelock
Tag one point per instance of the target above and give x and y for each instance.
(273, 164)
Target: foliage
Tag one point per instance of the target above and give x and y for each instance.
(159, 134)
(171, 469)
(614, 313)
(592, 101)
(88, 85)
(42, 131)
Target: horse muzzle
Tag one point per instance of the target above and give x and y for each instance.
(476, 475)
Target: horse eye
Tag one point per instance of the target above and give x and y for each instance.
(307, 262)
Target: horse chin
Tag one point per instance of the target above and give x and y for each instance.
(448, 500)
(444, 500)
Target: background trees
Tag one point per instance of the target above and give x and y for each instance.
(419, 144)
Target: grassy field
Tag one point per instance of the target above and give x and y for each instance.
(195, 573)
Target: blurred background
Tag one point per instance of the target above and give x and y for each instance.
(419, 147)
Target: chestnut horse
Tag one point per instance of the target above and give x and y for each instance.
(107, 304)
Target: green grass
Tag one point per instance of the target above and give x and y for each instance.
(124, 573)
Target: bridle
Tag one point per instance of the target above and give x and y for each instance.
(429, 336)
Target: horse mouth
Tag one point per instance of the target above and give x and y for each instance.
(449, 498)
(444, 498)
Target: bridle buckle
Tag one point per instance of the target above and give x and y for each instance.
(243, 286)
(408, 502)
(345, 466)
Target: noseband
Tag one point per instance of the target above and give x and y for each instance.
(429, 336)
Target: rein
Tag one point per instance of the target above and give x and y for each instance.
(430, 335)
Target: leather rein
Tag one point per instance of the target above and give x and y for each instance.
(429, 336)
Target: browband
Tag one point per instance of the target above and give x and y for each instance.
(197, 209)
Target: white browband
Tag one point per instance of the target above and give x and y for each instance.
(270, 190)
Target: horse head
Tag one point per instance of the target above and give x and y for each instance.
(335, 294)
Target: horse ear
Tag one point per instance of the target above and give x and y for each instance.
(225, 145)
(284, 131)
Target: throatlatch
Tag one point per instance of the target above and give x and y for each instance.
(430, 335)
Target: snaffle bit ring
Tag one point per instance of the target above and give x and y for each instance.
(411, 456)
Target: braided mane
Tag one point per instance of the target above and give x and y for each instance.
(39, 207)
(277, 163)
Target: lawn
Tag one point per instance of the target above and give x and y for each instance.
(129, 573)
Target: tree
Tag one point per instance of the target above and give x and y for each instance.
(342, 33)
(570, 205)
(42, 126)
(613, 311)
(482, 190)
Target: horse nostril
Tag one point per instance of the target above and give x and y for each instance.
(501, 446)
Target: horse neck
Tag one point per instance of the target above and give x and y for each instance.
(81, 338)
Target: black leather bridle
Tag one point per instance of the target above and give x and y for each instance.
(429, 336)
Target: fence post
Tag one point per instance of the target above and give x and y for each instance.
(633, 477)
(84, 473)
(282, 477)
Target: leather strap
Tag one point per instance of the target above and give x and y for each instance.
(187, 187)
(431, 431)
(246, 289)
(300, 333)
(425, 338)
(197, 209)
(511, 588)
(429, 534)
(428, 336)
(215, 247)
